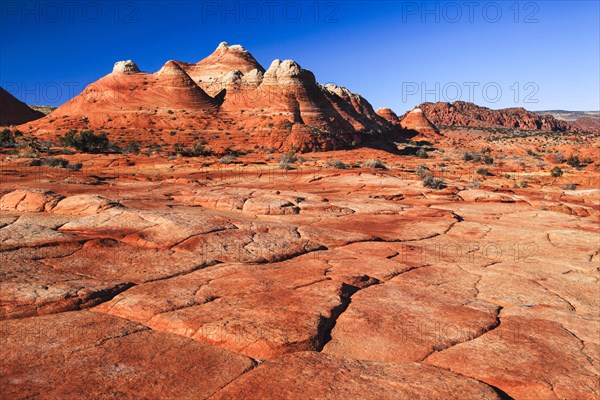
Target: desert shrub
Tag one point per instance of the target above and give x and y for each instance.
(570, 186)
(560, 158)
(76, 166)
(132, 148)
(422, 153)
(36, 162)
(375, 163)
(573, 161)
(524, 184)
(336, 164)
(421, 170)
(487, 160)
(483, 171)
(287, 160)
(432, 182)
(85, 141)
(556, 172)
(469, 156)
(7, 139)
(56, 162)
(200, 150)
(227, 159)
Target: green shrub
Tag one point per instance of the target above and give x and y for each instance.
(7, 139)
(483, 171)
(85, 141)
(556, 172)
(573, 161)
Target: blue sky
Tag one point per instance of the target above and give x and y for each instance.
(537, 55)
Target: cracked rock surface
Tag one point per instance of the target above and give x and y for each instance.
(349, 284)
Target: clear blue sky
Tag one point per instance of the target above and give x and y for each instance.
(395, 54)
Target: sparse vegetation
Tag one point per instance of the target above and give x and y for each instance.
(570, 186)
(7, 139)
(483, 172)
(375, 163)
(574, 161)
(556, 172)
(85, 141)
(227, 159)
(432, 182)
(422, 153)
(287, 160)
(336, 164)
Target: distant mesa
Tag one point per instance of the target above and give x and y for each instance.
(14, 111)
(466, 114)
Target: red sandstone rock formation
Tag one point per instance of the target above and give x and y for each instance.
(415, 120)
(461, 113)
(283, 107)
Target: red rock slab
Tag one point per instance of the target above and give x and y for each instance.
(77, 354)
(404, 321)
(170, 229)
(29, 235)
(310, 375)
(513, 290)
(261, 325)
(252, 242)
(585, 327)
(83, 204)
(413, 224)
(143, 302)
(47, 220)
(148, 228)
(28, 287)
(109, 259)
(527, 358)
(114, 222)
(362, 269)
(29, 200)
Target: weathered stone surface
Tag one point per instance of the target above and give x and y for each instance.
(526, 358)
(83, 204)
(321, 376)
(29, 200)
(68, 354)
(127, 262)
(28, 287)
(400, 321)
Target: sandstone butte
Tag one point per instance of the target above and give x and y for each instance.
(227, 96)
(163, 277)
